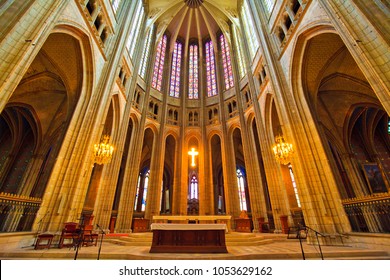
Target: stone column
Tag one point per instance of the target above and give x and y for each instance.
(158, 150)
(313, 174)
(258, 206)
(232, 202)
(277, 191)
(108, 185)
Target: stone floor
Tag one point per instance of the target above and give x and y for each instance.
(278, 249)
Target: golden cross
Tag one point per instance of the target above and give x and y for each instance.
(193, 153)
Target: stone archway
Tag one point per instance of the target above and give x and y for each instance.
(329, 82)
(50, 89)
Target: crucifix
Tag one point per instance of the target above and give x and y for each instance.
(193, 153)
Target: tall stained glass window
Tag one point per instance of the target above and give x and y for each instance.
(269, 4)
(115, 4)
(226, 62)
(159, 63)
(210, 70)
(146, 52)
(294, 185)
(193, 193)
(241, 190)
(134, 32)
(142, 191)
(249, 29)
(174, 89)
(145, 194)
(193, 83)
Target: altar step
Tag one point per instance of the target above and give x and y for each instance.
(245, 239)
(232, 239)
(133, 239)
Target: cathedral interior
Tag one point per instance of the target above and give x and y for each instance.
(274, 113)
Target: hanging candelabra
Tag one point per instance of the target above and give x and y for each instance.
(103, 151)
(282, 150)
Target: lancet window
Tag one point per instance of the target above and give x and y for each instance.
(226, 62)
(193, 74)
(159, 63)
(175, 71)
(210, 70)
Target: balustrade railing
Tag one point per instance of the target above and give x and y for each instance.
(17, 213)
(369, 213)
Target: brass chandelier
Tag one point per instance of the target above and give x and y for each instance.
(103, 151)
(282, 150)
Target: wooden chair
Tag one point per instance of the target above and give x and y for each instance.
(43, 241)
(70, 232)
(89, 237)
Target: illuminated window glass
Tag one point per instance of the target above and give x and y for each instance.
(146, 52)
(388, 127)
(136, 27)
(294, 185)
(269, 4)
(137, 193)
(146, 185)
(193, 84)
(115, 4)
(174, 89)
(159, 63)
(241, 190)
(249, 29)
(226, 63)
(193, 187)
(142, 191)
(241, 67)
(210, 70)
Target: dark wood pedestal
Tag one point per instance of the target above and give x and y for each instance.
(243, 225)
(263, 225)
(140, 225)
(189, 238)
(284, 222)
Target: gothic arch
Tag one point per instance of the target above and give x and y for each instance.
(326, 84)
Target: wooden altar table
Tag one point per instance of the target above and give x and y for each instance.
(188, 238)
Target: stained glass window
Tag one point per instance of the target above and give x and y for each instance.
(159, 63)
(137, 193)
(241, 190)
(115, 4)
(142, 191)
(144, 195)
(193, 187)
(174, 89)
(210, 70)
(294, 185)
(388, 127)
(146, 52)
(136, 27)
(226, 63)
(249, 29)
(193, 83)
(269, 4)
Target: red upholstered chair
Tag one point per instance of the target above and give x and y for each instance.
(69, 232)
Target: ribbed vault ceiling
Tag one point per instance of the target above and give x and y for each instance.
(192, 20)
